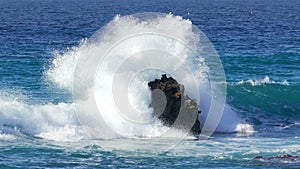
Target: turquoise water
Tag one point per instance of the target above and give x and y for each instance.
(259, 46)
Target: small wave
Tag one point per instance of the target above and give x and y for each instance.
(283, 127)
(7, 137)
(260, 82)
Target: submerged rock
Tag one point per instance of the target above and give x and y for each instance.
(172, 107)
(285, 156)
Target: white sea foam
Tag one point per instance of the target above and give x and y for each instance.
(50, 121)
(259, 82)
(244, 129)
(63, 66)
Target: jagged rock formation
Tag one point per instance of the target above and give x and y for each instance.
(172, 107)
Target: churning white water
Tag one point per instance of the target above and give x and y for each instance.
(108, 75)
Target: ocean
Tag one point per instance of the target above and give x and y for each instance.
(46, 59)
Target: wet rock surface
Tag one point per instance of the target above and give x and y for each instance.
(172, 107)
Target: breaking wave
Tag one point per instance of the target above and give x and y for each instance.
(59, 122)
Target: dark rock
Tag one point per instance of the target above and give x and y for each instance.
(285, 156)
(172, 107)
(258, 157)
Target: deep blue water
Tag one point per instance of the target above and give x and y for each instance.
(259, 46)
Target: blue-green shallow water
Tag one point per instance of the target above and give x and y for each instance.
(259, 45)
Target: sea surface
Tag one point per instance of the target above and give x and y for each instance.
(258, 42)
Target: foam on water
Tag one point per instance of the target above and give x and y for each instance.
(244, 129)
(50, 121)
(259, 82)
